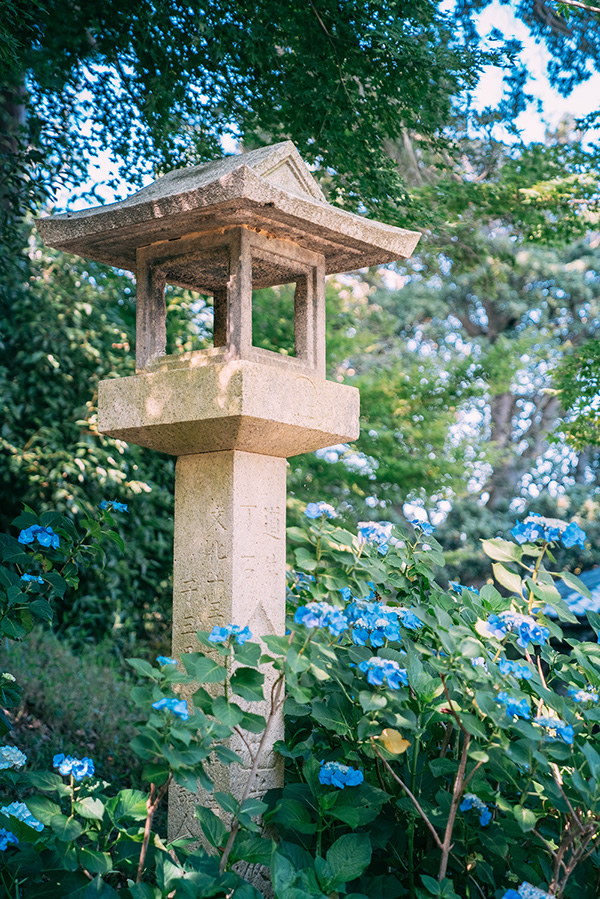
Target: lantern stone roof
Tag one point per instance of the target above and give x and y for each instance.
(270, 190)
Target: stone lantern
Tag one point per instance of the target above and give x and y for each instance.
(233, 413)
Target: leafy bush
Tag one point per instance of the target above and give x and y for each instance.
(437, 743)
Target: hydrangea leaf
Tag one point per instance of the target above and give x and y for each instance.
(501, 550)
(248, 683)
(212, 827)
(348, 857)
(66, 829)
(525, 818)
(509, 579)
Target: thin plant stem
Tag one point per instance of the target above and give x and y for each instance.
(276, 704)
(412, 798)
(152, 804)
(456, 796)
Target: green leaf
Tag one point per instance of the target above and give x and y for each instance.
(509, 579)
(99, 888)
(248, 683)
(94, 862)
(227, 712)
(501, 550)
(212, 827)
(43, 808)
(47, 781)
(205, 670)
(575, 583)
(144, 668)
(331, 720)
(66, 829)
(349, 857)
(127, 804)
(91, 808)
(524, 817)
(226, 755)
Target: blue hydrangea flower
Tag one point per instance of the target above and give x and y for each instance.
(32, 578)
(458, 588)
(518, 708)
(425, 527)
(346, 594)
(316, 510)
(6, 837)
(573, 536)
(525, 626)
(521, 672)
(535, 527)
(582, 695)
(177, 707)
(117, 507)
(222, 634)
(44, 536)
(377, 532)
(165, 660)
(556, 728)
(322, 614)
(336, 775)
(527, 891)
(20, 811)
(470, 801)
(479, 662)
(11, 757)
(372, 621)
(379, 671)
(409, 620)
(79, 768)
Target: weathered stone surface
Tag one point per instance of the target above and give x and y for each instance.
(199, 406)
(229, 567)
(269, 189)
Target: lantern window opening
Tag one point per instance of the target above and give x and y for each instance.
(230, 265)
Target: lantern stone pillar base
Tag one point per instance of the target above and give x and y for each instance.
(229, 566)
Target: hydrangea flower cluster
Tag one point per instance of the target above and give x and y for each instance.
(165, 660)
(590, 695)
(222, 634)
(11, 757)
(555, 728)
(79, 768)
(425, 527)
(377, 622)
(117, 507)
(6, 837)
(535, 527)
(20, 811)
(379, 671)
(32, 578)
(322, 614)
(521, 672)
(372, 621)
(337, 775)
(458, 588)
(44, 536)
(317, 510)
(527, 891)
(518, 708)
(177, 707)
(377, 532)
(479, 662)
(525, 626)
(470, 801)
